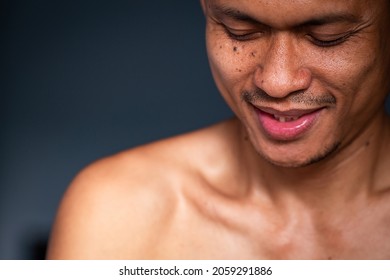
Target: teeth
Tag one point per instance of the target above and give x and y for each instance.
(283, 119)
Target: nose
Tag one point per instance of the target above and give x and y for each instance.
(281, 71)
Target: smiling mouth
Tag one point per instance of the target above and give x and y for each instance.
(287, 125)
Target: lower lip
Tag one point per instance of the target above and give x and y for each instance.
(287, 131)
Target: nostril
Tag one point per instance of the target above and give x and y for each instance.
(279, 83)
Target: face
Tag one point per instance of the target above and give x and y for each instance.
(305, 77)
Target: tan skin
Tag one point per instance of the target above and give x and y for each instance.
(232, 191)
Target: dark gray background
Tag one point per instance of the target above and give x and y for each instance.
(82, 79)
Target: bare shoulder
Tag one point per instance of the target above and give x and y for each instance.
(115, 208)
(104, 203)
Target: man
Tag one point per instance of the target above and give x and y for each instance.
(300, 173)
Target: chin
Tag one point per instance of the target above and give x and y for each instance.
(298, 160)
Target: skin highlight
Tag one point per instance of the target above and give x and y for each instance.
(249, 188)
(302, 79)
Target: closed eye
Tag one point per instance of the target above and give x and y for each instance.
(242, 35)
(328, 43)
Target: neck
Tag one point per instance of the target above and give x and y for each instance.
(353, 171)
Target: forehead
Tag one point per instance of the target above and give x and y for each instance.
(283, 13)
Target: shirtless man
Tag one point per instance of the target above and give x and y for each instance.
(302, 172)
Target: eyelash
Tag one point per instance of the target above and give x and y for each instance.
(315, 41)
(329, 43)
(243, 37)
(240, 38)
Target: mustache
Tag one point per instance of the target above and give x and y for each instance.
(299, 97)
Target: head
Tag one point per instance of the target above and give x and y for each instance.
(304, 77)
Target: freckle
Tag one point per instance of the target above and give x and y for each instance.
(367, 143)
(253, 54)
(234, 49)
(220, 47)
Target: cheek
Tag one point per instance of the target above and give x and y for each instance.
(354, 79)
(232, 68)
(350, 75)
(228, 61)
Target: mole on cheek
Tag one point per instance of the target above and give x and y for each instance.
(234, 49)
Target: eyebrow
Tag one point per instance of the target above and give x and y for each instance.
(330, 18)
(233, 13)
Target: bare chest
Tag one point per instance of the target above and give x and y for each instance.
(262, 237)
